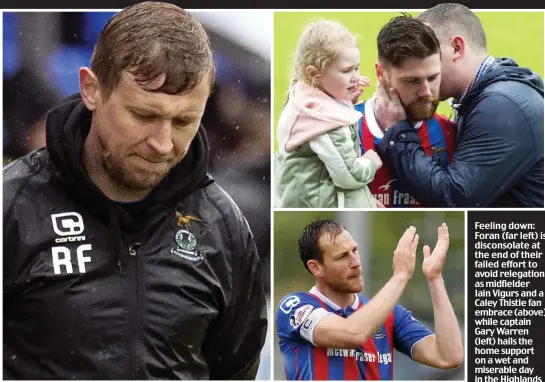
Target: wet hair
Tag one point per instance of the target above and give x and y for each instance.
(450, 19)
(150, 39)
(309, 241)
(405, 37)
(318, 46)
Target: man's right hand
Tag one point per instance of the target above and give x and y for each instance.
(372, 155)
(388, 107)
(405, 254)
(333, 331)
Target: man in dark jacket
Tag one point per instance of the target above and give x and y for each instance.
(123, 259)
(498, 160)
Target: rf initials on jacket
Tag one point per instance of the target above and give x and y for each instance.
(68, 225)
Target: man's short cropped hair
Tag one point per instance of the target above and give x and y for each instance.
(405, 37)
(150, 39)
(451, 19)
(309, 241)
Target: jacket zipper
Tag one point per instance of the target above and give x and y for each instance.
(135, 293)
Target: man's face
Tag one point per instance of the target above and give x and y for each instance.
(142, 135)
(417, 82)
(448, 72)
(341, 261)
(341, 77)
(448, 69)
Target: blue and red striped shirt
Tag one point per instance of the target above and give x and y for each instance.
(438, 139)
(373, 360)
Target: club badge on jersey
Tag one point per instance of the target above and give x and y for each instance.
(438, 139)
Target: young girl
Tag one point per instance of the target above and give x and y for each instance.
(317, 164)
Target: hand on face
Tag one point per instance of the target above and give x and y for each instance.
(388, 107)
(432, 267)
(364, 82)
(405, 254)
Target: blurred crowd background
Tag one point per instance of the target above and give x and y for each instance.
(377, 234)
(42, 53)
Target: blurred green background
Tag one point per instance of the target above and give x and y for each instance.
(377, 233)
(509, 34)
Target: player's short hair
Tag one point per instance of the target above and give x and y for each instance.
(309, 241)
(450, 19)
(405, 37)
(150, 39)
(318, 46)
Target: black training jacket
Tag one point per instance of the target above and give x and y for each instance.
(170, 288)
(498, 160)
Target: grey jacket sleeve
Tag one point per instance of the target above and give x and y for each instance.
(346, 168)
(495, 149)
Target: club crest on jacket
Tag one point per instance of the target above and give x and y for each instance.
(185, 242)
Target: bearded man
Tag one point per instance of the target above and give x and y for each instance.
(409, 61)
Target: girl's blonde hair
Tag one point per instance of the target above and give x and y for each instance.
(318, 46)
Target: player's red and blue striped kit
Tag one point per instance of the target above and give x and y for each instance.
(438, 139)
(297, 316)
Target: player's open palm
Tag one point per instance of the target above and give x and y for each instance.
(405, 254)
(432, 267)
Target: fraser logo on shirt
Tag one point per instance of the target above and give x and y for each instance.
(384, 358)
(386, 187)
(384, 195)
(69, 225)
(403, 198)
(395, 197)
